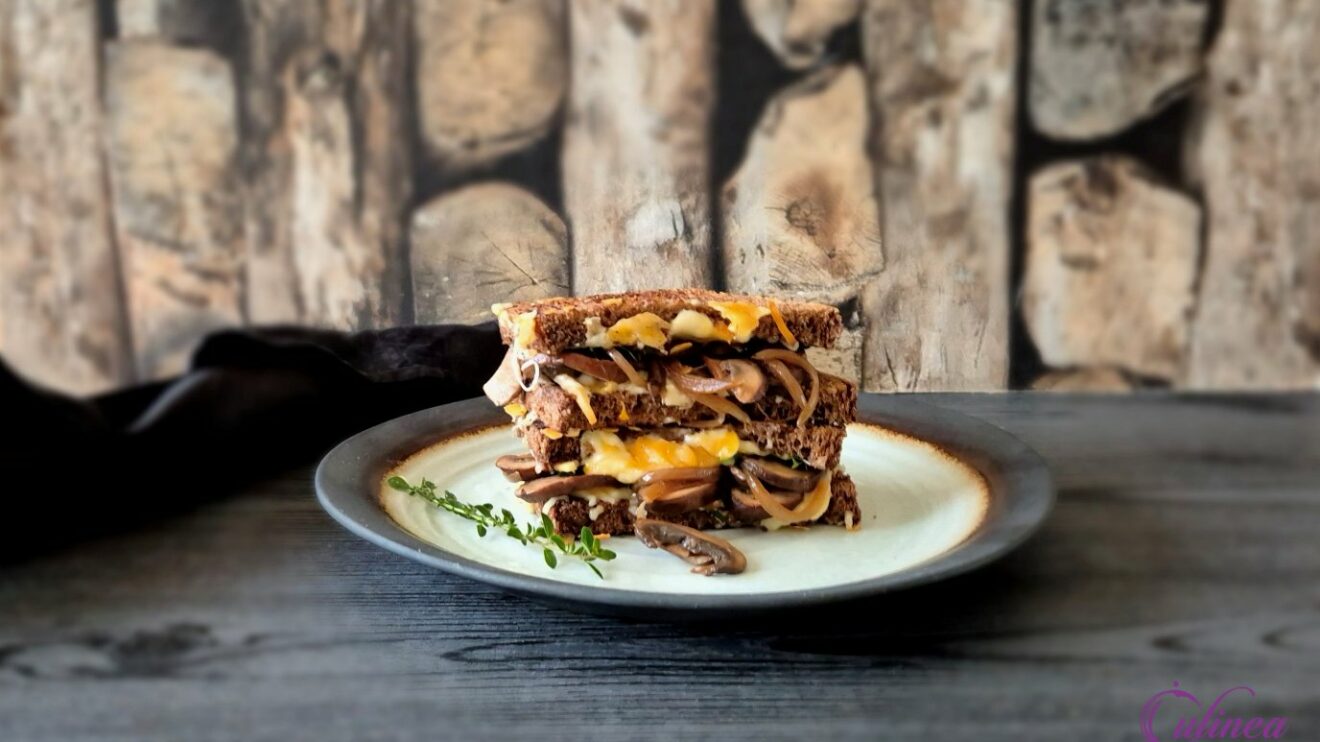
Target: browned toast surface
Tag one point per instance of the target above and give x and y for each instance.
(560, 323)
(557, 409)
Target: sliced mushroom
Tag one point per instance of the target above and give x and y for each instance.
(693, 474)
(518, 468)
(540, 490)
(709, 555)
(746, 509)
(747, 382)
(595, 367)
(674, 498)
(779, 476)
(505, 385)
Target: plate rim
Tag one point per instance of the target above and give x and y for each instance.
(1021, 491)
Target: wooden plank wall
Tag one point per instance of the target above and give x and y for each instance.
(1066, 194)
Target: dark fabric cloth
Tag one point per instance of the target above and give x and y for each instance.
(254, 402)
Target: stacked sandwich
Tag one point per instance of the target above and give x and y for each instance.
(694, 407)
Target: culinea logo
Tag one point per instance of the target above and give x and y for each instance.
(1211, 722)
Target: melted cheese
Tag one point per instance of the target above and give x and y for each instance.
(515, 409)
(672, 396)
(743, 317)
(524, 329)
(648, 330)
(693, 325)
(605, 386)
(579, 393)
(812, 506)
(751, 448)
(552, 434)
(607, 494)
(628, 460)
(645, 330)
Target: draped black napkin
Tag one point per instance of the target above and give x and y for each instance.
(254, 402)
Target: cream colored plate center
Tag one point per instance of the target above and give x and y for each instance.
(917, 503)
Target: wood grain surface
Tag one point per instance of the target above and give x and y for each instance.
(1183, 548)
(942, 87)
(61, 311)
(1255, 148)
(636, 143)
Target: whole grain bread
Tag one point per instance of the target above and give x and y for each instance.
(559, 410)
(560, 323)
(817, 446)
(571, 513)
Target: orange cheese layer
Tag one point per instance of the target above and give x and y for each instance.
(628, 460)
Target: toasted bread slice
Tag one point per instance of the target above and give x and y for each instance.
(558, 324)
(817, 447)
(570, 514)
(557, 409)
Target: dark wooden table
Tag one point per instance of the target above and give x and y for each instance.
(1185, 546)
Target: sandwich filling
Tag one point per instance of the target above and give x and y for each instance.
(690, 407)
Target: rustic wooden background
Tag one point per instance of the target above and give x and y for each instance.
(1066, 194)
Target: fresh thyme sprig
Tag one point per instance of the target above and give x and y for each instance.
(587, 547)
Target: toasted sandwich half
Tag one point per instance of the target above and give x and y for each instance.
(690, 406)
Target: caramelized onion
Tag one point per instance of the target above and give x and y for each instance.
(691, 384)
(683, 495)
(627, 368)
(748, 509)
(788, 381)
(594, 367)
(794, 359)
(721, 405)
(767, 501)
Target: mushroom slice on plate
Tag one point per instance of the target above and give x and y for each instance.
(709, 555)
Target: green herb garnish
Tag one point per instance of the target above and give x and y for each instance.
(586, 548)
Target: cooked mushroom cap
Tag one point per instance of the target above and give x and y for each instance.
(518, 468)
(673, 498)
(504, 387)
(681, 474)
(710, 555)
(778, 476)
(748, 383)
(540, 490)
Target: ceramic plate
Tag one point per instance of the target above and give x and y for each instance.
(940, 493)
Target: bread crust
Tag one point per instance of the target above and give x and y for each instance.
(560, 322)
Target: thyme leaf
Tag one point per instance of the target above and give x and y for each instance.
(587, 548)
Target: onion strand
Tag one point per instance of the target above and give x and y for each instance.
(791, 358)
(627, 368)
(720, 404)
